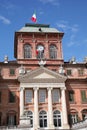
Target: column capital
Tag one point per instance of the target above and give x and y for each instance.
(63, 88)
(21, 88)
(35, 88)
(49, 88)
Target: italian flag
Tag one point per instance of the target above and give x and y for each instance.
(33, 18)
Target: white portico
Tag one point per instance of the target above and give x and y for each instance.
(42, 93)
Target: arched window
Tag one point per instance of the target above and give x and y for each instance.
(84, 114)
(11, 118)
(73, 117)
(53, 52)
(57, 118)
(27, 51)
(43, 119)
(40, 51)
(29, 114)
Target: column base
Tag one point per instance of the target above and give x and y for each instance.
(66, 126)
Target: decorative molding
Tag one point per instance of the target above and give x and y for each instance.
(49, 88)
(42, 85)
(63, 88)
(35, 88)
(21, 89)
(42, 62)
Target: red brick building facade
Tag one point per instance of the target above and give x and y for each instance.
(39, 83)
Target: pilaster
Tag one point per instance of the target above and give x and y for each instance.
(36, 115)
(50, 109)
(64, 109)
(21, 101)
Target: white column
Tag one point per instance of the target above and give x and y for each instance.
(64, 109)
(36, 115)
(50, 109)
(21, 101)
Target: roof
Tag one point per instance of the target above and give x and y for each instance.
(38, 28)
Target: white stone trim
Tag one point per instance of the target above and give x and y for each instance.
(42, 85)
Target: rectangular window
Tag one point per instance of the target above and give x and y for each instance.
(12, 71)
(80, 72)
(11, 120)
(71, 96)
(11, 97)
(55, 95)
(42, 95)
(69, 72)
(83, 96)
(28, 96)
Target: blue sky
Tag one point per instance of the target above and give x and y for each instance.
(69, 16)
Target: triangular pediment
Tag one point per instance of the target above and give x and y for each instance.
(42, 75)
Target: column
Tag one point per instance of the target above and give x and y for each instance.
(64, 110)
(36, 115)
(21, 101)
(50, 110)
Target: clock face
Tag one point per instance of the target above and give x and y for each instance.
(40, 48)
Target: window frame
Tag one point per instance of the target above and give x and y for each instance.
(55, 98)
(73, 118)
(83, 96)
(39, 52)
(27, 51)
(12, 71)
(42, 99)
(29, 98)
(80, 72)
(69, 72)
(29, 114)
(71, 96)
(57, 119)
(84, 113)
(43, 119)
(52, 51)
(12, 97)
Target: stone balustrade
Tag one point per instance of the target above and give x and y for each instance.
(80, 125)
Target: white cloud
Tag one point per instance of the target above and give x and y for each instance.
(53, 2)
(74, 28)
(71, 41)
(5, 20)
(70, 31)
(64, 25)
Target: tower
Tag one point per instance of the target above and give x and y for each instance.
(34, 42)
